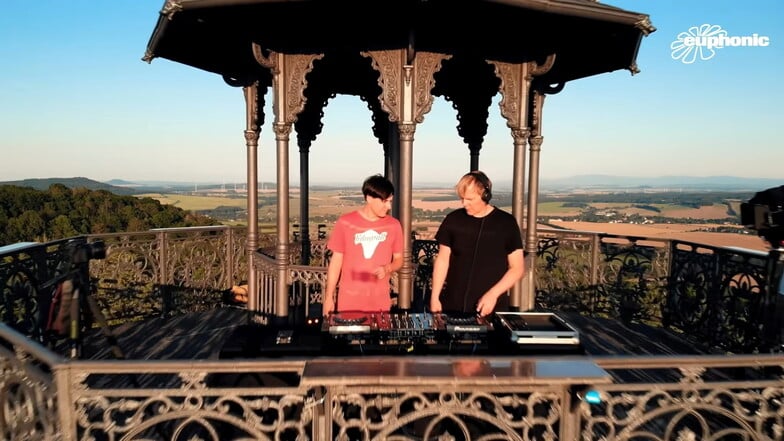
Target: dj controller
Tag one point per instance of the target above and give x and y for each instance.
(367, 333)
(406, 327)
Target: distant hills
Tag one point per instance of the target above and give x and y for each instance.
(573, 183)
(79, 182)
(116, 186)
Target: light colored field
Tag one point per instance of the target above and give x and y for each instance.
(686, 232)
(331, 203)
(436, 205)
(189, 202)
(716, 211)
(556, 209)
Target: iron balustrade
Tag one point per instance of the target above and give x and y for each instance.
(46, 396)
(719, 297)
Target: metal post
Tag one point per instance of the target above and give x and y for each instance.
(252, 131)
(282, 131)
(405, 196)
(304, 204)
(520, 294)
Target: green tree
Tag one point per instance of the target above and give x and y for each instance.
(28, 226)
(61, 227)
(27, 214)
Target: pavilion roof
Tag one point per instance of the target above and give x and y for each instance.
(588, 37)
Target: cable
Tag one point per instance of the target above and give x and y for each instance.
(473, 262)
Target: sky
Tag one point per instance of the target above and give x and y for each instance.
(77, 100)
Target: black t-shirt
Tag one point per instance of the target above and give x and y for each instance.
(479, 256)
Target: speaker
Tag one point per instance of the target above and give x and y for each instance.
(482, 178)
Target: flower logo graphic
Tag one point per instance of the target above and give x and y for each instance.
(690, 46)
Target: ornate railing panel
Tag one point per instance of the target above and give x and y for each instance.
(168, 270)
(453, 412)
(45, 397)
(27, 273)
(20, 301)
(564, 271)
(206, 400)
(620, 277)
(720, 296)
(29, 399)
(692, 292)
(631, 279)
(267, 277)
(707, 398)
(307, 288)
(741, 312)
(126, 281)
(423, 252)
(143, 274)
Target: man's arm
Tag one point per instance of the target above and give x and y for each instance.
(389, 268)
(333, 274)
(396, 264)
(514, 272)
(440, 269)
(397, 253)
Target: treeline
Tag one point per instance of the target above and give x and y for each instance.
(685, 199)
(32, 215)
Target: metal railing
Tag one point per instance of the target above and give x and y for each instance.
(618, 398)
(715, 296)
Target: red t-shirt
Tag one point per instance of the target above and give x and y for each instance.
(365, 245)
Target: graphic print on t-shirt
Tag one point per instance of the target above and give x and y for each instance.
(369, 241)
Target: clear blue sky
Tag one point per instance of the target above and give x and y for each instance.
(76, 100)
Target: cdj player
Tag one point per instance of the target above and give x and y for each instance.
(537, 329)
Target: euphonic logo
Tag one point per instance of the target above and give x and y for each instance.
(701, 42)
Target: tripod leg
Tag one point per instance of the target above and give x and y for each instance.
(74, 332)
(101, 319)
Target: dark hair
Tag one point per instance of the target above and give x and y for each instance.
(378, 186)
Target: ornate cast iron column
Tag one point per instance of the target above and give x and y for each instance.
(304, 203)
(392, 153)
(252, 132)
(282, 245)
(474, 154)
(308, 126)
(531, 239)
(288, 86)
(515, 90)
(406, 80)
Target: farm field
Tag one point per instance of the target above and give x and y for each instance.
(685, 232)
(326, 204)
(715, 211)
(196, 202)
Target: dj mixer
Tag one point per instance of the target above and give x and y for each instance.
(383, 327)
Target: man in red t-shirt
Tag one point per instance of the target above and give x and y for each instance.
(367, 247)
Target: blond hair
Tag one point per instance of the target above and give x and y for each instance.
(476, 179)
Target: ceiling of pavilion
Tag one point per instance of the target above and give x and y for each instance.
(587, 37)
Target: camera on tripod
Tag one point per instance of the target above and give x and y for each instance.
(764, 213)
(81, 252)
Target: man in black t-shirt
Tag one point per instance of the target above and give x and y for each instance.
(480, 253)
